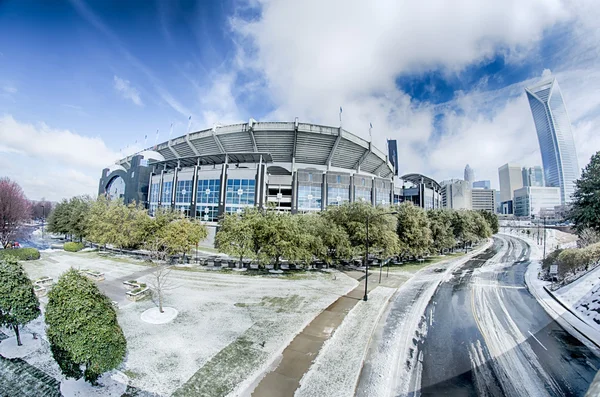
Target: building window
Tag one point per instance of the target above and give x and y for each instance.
(362, 194)
(183, 194)
(166, 194)
(239, 193)
(309, 197)
(337, 195)
(154, 191)
(207, 199)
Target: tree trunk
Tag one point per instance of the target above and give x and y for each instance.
(16, 328)
(160, 303)
(241, 261)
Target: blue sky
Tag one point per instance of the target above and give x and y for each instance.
(82, 81)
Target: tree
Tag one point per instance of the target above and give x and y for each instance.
(236, 234)
(14, 209)
(58, 219)
(160, 283)
(480, 227)
(491, 219)
(83, 328)
(585, 211)
(179, 236)
(352, 218)
(79, 212)
(440, 224)
(462, 227)
(587, 237)
(413, 229)
(331, 240)
(18, 303)
(276, 234)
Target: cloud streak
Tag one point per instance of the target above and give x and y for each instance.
(124, 88)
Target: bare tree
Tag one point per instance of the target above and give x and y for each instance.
(587, 237)
(14, 209)
(160, 283)
(40, 209)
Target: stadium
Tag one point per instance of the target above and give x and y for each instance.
(292, 166)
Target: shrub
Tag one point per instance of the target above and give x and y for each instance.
(73, 247)
(22, 254)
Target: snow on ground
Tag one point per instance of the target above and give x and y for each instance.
(10, 349)
(154, 316)
(337, 367)
(215, 310)
(111, 385)
(583, 295)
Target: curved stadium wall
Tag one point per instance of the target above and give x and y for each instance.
(294, 166)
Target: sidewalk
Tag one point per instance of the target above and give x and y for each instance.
(298, 356)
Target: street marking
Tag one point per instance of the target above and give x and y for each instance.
(538, 341)
(497, 286)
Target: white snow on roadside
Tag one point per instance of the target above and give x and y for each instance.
(337, 367)
(583, 295)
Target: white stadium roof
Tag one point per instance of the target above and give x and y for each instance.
(284, 141)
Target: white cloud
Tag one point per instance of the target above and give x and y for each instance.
(49, 162)
(315, 56)
(124, 88)
(10, 89)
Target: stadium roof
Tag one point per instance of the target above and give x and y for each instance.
(418, 178)
(283, 141)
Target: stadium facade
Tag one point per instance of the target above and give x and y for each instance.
(293, 166)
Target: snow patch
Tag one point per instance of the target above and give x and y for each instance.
(154, 316)
(10, 349)
(109, 386)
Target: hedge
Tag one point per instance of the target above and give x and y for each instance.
(22, 254)
(73, 247)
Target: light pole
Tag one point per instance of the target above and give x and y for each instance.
(544, 238)
(367, 249)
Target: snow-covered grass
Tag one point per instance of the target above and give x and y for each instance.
(583, 295)
(338, 365)
(222, 319)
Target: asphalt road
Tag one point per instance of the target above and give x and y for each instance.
(479, 333)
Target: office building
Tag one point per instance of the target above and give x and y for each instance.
(557, 147)
(531, 200)
(511, 179)
(482, 184)
(483, 199)
(456, 194)
(533, 176)
(419, 189)
(469, 175)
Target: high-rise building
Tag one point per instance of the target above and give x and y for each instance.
(511, 179)
(533, 200)
(469, 175)
(482, 184)
(533, 176)
(456, 194)
(393, 154)
(483, 199)
(557, 146)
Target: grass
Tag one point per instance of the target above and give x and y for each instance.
(220, 375)
(209, 249)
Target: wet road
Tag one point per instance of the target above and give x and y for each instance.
(480, 333)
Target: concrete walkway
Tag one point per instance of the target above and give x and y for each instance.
(298, 356)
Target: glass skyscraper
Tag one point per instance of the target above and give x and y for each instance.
(557, 146)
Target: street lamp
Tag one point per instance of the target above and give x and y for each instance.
(367, 249)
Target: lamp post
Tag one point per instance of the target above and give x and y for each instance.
(367, 249)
